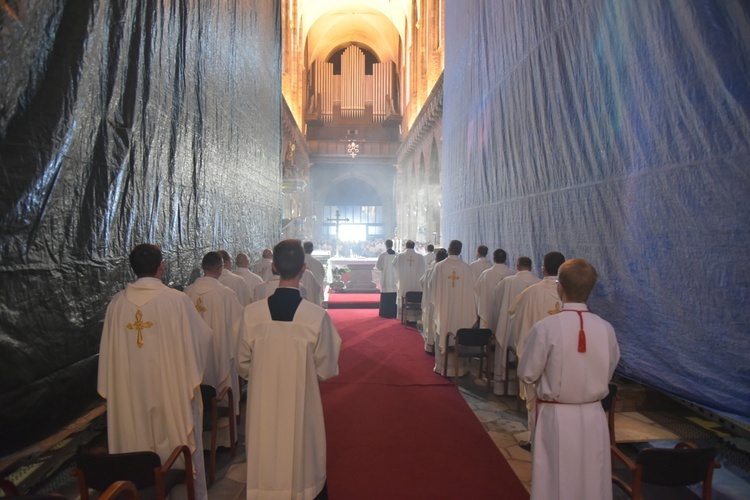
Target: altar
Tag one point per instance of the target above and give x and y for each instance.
(360, 280)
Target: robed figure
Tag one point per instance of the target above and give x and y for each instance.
(388, 285)
(410, 268)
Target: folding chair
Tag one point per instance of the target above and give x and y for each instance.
(213, 415)
(469, 343)
(411, 301)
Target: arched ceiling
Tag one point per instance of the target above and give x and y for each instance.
(328, 24)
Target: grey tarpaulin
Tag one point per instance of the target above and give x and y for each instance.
(616, 131)
(121, 122)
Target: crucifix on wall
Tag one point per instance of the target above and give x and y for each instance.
(337, 220)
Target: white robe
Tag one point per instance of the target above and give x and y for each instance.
(429, 259)
(484, 289)
(238, 284)
(428, 318)
(533, 304)
(283, 361)
(452, 284)
(505, 292)
(250, 277)
(570, 456)
(267, 288)
(311, 288)
(387, 268)
(263, 269)
(409, 269)
(220, 309)
(151, 360)
(479, 266)
(316, 267)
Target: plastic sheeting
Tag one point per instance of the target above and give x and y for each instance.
(121, 122)
(619, 132)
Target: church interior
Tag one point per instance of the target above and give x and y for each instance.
(618, 132)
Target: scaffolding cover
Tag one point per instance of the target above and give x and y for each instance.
(121, 122)
(618, 132)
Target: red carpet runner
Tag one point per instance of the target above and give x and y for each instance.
(396, 430)
(353, 300)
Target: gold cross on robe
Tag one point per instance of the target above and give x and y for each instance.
(139, 325)
(555, 310)
(199, 305)
(410, 259)
(453, 277)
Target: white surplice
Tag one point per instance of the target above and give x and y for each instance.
(505, 292)
(429, 259)
(533, 304)
(410, 268)
(238, 284)
(266, 289)
(479, 266)
(263, 269)
(250, 277)
(311, 288)
(387, 268)
(484, 289)
(151, 361)
(454, 306)
(570, 455)
(220, 309)
(283, 362)
(428, 318)
(316, 267)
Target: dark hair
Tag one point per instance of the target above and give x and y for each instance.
(552, 262)
(430, 247)
(454, 247)
(441, 254)
(224, 255)
(389, 243)
(482, 250)
(499, 256)
(409, 244)
(212, 261)
(145, 259)
(577, 277)
(288, 257)
(524, 262)
(308, 246)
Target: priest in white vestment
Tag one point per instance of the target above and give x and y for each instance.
(286, 346)
(505, 293)
(428, 316)
(311, 287)
(409, 267)
(316, 268)
(151, 361)
(531, 305)
(233, 281)
(484, 288)
(220, 309)
(571, 358)
(482, 263)
(263, 267)
(429, 257)
(267, 288)
(243, 270)
(388, 286)
(453, 298)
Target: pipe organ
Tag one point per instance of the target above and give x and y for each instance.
(353, 91)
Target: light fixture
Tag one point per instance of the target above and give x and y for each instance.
(352, 148)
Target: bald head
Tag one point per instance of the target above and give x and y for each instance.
(267, 254)
(242, 260)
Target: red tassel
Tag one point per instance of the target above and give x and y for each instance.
(581, 341)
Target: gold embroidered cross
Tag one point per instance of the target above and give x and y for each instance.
(139, 325)
(199, 305)
(410, 259)
(453, 277)
(555, 310)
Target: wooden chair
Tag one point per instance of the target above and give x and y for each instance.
(509, 363)
(411, 301)
(10, 490)
(656, 469)
(213, 414)
(469, 343)
(120, 489)
(144, 469)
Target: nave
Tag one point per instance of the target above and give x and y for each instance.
(397, 430)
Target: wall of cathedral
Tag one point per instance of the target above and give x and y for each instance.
(122, 123)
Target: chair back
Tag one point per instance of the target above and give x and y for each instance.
(473, 337)
(676, 466)
(101, 470)
(609, 400)
(413, 297)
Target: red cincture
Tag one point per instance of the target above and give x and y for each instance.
(581, 333)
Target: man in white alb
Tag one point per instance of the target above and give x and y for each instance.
(388, 287)
(429, 257)
(263, 267)
(151, 361)
(234, 281)
(243, 270)
(485, 288)
(531, 305)
(570, 358)
(452, 283)
(482, 263)
(505, 293)
(286, 346)
(314, 265)
(220, 309)
(409, 268)
(428, 316)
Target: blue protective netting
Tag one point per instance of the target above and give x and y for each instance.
(619, 132)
